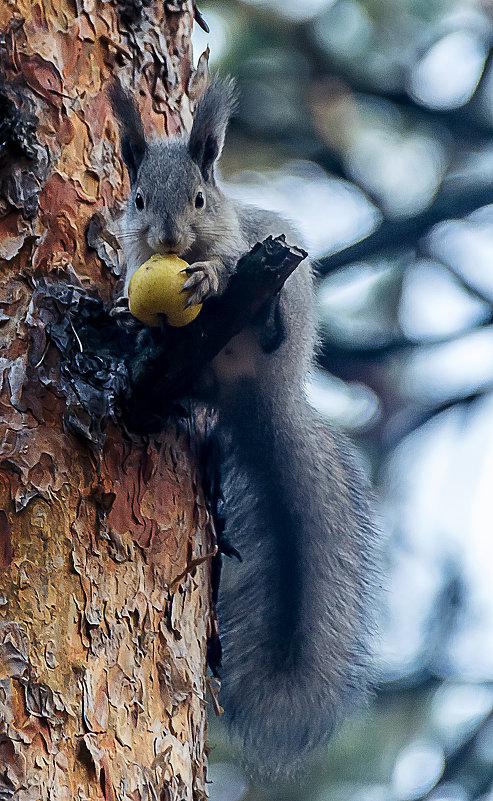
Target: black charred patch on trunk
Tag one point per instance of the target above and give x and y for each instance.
(17, 129)
(23, 160)
(93, 354)
(6, 550)
(131, 11)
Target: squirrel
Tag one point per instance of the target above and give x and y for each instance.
(295, 614)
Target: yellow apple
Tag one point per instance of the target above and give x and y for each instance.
(156, 289)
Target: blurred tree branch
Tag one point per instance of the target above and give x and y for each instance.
(409, 419)
(455, 199)
(465, 123)
(459, 764)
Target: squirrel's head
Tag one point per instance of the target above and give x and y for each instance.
(174, 204)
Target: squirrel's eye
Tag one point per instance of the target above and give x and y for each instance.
(139, 201)
(199, 200)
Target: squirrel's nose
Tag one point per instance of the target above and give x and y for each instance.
(168, 244)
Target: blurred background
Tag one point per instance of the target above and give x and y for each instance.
(369, 123)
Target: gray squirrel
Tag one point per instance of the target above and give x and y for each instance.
(295, 615)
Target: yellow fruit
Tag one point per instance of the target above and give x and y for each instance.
(156, 289)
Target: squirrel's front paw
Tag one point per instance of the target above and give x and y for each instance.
(121, 313)
(204, 280)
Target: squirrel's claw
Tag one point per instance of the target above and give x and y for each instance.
(121, 314)
(195, 298)
(191, 282)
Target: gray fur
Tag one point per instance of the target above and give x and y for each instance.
(211, 118)
(133, 141)
(294, 615)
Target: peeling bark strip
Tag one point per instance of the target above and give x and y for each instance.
(104, 570)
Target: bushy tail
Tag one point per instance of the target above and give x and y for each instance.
(296, 615)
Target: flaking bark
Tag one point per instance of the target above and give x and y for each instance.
(104, 536)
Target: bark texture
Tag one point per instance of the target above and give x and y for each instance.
(104, 541)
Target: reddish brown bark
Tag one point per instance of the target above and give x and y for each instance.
(104, 586)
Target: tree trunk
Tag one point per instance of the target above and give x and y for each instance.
(104, 596)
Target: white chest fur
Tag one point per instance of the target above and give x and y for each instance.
(239, 359)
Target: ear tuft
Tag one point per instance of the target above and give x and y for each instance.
(132, 136)
(210, 121)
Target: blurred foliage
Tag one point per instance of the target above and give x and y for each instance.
(369, 123)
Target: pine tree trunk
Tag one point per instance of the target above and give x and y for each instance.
(104, 591)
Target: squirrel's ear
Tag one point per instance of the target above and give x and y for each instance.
(132, 136)
(210, 121)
